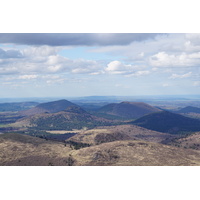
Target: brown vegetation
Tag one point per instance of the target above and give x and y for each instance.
(16, 149)
(116, 145)
(120, 132)
(188, 142)
(135, 153)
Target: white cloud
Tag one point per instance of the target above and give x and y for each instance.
(190, 47)
(163, 59)
(55, 68)
(141, 55)
(194, 38)
(174, 76)
(44, 60)
(97, 73)
(40, 51)
(50, 76)
(53, 79)
(158, 63)
(140, 73)
(117, 67)
(142, 50)
(80, 70)
(54, 59)
(24, 77)
(81, 66)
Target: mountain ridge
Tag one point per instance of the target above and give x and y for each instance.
(168, 122)
(48, 107)
(128, 110)
(189, 109)
(71, 118)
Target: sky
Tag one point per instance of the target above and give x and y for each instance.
(99, 64)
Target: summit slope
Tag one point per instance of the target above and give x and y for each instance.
(49, 107)
(168, 122)
(128, 110)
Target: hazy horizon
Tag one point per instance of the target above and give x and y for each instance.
(110, 98)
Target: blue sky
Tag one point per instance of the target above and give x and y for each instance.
(54, 65)
(87, 53)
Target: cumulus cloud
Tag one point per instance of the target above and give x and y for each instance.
(43, 60)
(163, 59)
(141, 50)
(117, 67)
(30, 61)
(40, 51)
(64, 39)
(174, 76)
(55, 59)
